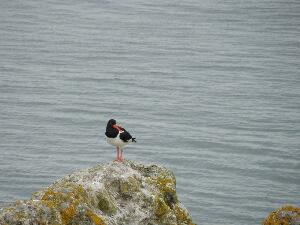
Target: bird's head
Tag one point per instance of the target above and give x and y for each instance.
(111, 123)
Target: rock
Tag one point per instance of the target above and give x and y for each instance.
(286, 215)
(106, 203)
(109, 194)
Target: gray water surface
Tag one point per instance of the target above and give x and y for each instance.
(210, 89)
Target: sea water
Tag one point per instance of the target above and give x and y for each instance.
(210, 89)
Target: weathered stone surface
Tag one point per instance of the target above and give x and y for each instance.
(286, 215)
(108, 194)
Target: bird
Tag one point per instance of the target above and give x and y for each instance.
(118, 137)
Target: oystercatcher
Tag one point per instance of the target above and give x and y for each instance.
(118, 137)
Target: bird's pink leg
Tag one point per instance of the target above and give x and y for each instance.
(121, 158)
(118, 153)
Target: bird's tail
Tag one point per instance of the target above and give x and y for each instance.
(133, 139)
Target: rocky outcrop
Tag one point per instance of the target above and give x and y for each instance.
(116, 193)
(286, 215)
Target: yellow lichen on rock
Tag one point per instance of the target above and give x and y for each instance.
(166, 204)
(165, 184)
(182, 216)
(285, 215)
(94, 218)
(161, 208)
(167, 188)
(64, 198)
(68, 214)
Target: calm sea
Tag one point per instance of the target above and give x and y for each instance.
(210, 89)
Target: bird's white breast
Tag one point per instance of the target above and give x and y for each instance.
(117, 142)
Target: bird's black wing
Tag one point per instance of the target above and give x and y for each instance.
(111, 132)
(125, 136)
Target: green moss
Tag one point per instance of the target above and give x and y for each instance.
(113, 185)
(129, 186)
(96, 169)
(106, 203)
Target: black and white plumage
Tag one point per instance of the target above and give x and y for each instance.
(118, 137)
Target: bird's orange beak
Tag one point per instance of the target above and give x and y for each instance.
(116, 127)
